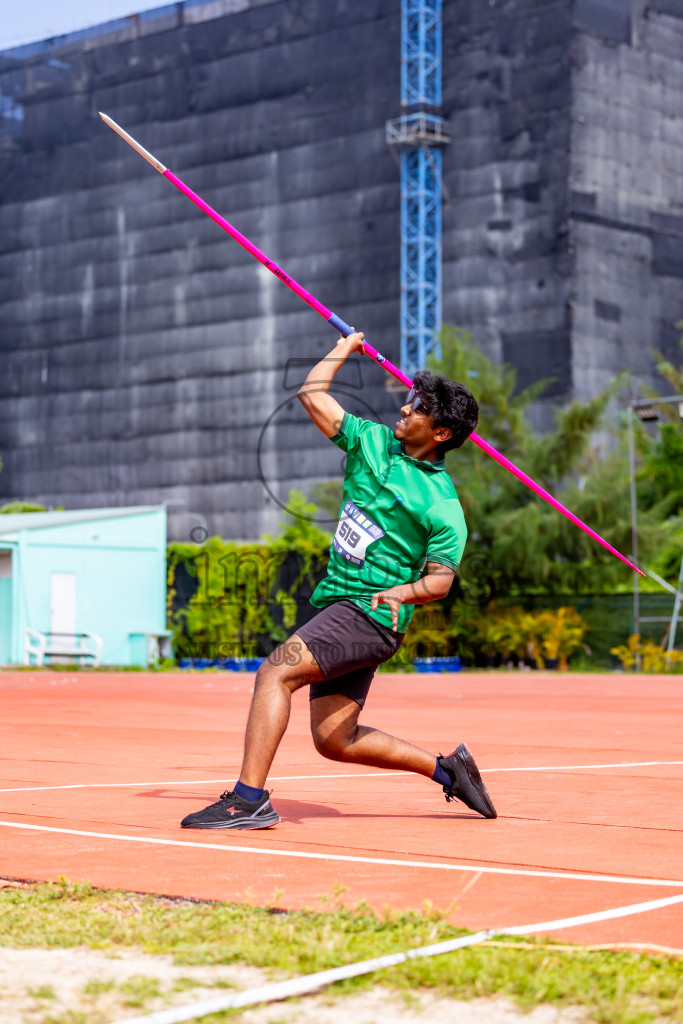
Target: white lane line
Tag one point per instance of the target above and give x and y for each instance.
(199, 782)
(384, 861)
(577, 767)
(311, 982)
(348, 775)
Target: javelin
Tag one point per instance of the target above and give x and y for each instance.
(344, 329)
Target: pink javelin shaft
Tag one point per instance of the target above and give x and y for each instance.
(345, 329)
(279, 272)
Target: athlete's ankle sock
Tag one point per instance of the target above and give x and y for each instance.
(249, 793)
(441, 776)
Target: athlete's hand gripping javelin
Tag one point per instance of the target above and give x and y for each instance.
(324, 410)
(327, 414)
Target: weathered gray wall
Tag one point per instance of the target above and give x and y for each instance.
(142, 351)
(626, 181)
(507, 267)
(564, 233)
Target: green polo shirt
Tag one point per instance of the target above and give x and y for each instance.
(397, 514)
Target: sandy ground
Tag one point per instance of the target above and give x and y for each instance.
(40, 986)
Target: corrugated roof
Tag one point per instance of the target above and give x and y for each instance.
(14, 522)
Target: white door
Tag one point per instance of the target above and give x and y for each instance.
(62, 607)
(5, 565)
(5, 606)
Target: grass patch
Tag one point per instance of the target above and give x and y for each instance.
(95, 987)
(184, 984)
(42, 992)
(613, 987)
(71, 1017)
(139, 989)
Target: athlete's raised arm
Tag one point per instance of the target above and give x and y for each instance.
(324, 410)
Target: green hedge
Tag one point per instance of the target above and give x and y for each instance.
(227, 600)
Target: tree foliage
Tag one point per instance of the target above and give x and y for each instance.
(666, 369)
(660, 476)
(518, 543)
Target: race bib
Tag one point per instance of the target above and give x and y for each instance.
(354, 533)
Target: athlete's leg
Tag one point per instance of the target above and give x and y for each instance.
(287, 669)
(248, 805)
(337, 735)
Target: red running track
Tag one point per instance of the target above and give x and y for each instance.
(584, 823)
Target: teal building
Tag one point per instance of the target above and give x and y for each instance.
(88, 580)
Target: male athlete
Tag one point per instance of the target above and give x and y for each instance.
(400, 514)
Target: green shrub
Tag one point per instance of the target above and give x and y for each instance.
(246, 597)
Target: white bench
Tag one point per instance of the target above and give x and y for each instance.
(80, 646)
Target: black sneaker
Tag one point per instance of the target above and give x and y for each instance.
(467, 784)
(231, 811)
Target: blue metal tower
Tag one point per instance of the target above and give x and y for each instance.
(419, 133)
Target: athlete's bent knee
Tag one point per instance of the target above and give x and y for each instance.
(332, 746)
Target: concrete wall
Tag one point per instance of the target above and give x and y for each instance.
(143, 350)
(145, 357)
(507, 266)
(564, 229)
(626, 182)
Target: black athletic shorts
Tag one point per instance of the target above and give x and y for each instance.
(348, 645)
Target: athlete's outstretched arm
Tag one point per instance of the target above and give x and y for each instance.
(324, 410)
(433, 586)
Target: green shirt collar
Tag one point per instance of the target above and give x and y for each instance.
(396, 449)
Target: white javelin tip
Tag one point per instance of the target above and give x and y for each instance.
(131, 142)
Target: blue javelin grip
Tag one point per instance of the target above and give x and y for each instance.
(340, 324)
(345, 330)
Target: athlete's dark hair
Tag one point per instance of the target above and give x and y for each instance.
(450, 405)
